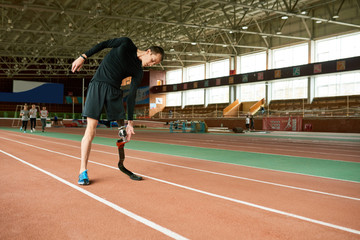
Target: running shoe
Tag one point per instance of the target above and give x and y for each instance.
(20, 128)
(83, 178)
(34, 129)
(30, 130)
(24, 131)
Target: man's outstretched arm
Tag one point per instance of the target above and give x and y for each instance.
(112, 43)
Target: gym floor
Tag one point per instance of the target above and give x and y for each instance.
(277, 185)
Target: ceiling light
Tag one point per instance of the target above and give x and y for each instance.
(224, 45)
(245, 27)
(190, 54)
(318, 21)
(278, 32)
(336, 16)
(230, 31)
(193, 43)
(172, 50)
(202, 51)
(284, 17)
(303, 12)
(174, 59)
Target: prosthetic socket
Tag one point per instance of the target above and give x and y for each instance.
(121, 143)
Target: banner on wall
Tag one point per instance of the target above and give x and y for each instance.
(142, 95)
(34, 92)
(282, 123)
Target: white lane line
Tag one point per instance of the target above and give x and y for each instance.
(210, 172)
(102, 200)
(238, 177)
(225, 198)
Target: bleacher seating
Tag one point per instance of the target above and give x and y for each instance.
(320, 107)
(324, 107)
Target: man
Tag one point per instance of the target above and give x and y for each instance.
(33, 115)
(43, 116)
(123, 60)
(24, 117)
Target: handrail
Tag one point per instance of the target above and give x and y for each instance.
(229, 108)
(254, 108)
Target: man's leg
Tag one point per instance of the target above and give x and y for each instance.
(121, 144)
(86, 147)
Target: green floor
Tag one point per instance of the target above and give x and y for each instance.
(309, 166)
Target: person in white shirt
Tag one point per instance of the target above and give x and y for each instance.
(247, 122)
(25, 118)
(43, 115)
(33, 115)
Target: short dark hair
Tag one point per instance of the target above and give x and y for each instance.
(157, 50)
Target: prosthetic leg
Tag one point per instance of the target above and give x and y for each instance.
(120, 144)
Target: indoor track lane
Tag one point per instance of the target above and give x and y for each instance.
(324, 148)
(163, 199)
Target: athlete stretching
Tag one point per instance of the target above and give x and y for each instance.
(123, 60)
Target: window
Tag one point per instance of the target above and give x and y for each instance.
(289, 89)
(173, 99)
(194, 97)
(219, 68)
(338, 47)
(253, 62)
(218, 94)
(337, 85)
(174, 76)
(290, 56)
(195, 73)
(251, 92)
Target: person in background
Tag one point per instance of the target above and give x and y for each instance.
(33, 115)
(247, 122)
(262, 109)
(43, 115)
(252, 122)
(25, 118)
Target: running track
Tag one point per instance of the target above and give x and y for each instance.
(180, 198)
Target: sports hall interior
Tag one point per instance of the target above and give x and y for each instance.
(255, 84)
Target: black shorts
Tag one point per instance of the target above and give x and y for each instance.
(100, 95)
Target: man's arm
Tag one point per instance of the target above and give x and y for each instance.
(112, 43)
(130, 103)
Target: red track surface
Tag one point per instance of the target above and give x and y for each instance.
(193, 198)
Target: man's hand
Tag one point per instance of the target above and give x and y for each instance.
(77, 64)
(129, 130)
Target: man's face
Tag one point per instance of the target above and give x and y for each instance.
(151, 59)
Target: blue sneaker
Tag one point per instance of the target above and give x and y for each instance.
(24, 131)
(83, 178)
(20, 128)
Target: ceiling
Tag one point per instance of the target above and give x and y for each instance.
(42, 37)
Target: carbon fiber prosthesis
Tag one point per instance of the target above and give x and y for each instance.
(121, 143)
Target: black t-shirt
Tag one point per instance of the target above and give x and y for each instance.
(119, 63)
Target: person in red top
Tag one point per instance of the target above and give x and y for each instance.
(123, 60)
